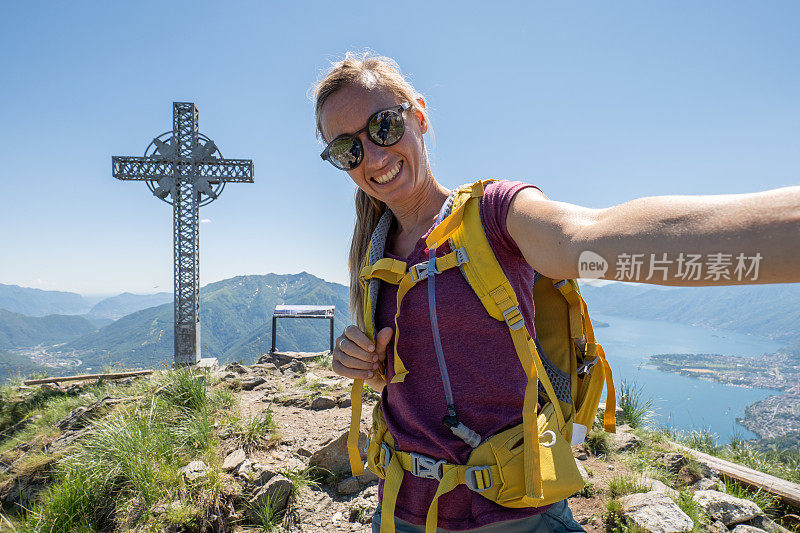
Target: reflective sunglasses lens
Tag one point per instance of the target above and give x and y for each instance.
(346, 153)
(386, 128)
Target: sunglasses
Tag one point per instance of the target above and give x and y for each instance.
(384, 128)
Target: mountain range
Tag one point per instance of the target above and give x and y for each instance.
(236, 318)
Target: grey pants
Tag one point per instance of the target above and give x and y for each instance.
(557, 519)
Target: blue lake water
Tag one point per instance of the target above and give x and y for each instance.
(685, 403)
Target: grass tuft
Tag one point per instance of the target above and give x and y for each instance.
(636, 411)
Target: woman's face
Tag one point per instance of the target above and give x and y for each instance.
(388, 173)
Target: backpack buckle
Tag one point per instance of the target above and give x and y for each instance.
(513, 318)
(426, 467)
(473, 474)
(586, 366)
(421, 271)
(387, 455)
(461, 256)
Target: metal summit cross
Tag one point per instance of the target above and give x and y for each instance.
(187, 166)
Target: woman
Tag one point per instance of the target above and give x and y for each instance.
(373, 122)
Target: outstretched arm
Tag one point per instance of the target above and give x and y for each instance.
(728, 239)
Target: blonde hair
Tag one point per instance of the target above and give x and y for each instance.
(369, 71)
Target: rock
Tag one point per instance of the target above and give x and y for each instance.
(742, 528)
(655, 512)
(323, 402)
(348, 486)
(717, 527)
(706, 484)
(673, 462)
(302, 452)
(233, 460)
(344, 401)
(656, 485)
(582, 470)
(22, 488)
(194, 471)
(236, 368)
(275, 493)
(253, 382)
(73, 390)
(80, 416)
(768, 525)
(688, 476)
(158, 510)
(254, 473)
(726, 508)
(333, 456)
(298, 367)
(624, 440)
(264, 367)
(367, 477)
(51, 388)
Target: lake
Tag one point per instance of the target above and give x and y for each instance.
(685, 403)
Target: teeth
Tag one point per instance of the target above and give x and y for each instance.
(389, 176)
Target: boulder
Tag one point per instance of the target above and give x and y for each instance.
(343, 400)
(236, 368)
(194, 471)
(254, 473)
(766, 524)
(367, 477)
(624, 440)
(726, 508)
(275, 493)
(656, 485)
(717, 527)
(707, 484)
(298, 367)
(323, 402)
(233, 460)
(348, 486)
(673, 462)
(655, 512)
(252, 382)
(743, 528)
(333, 455)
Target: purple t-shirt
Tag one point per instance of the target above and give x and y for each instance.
(486, 377)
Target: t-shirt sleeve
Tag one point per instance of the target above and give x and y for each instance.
(495, 203)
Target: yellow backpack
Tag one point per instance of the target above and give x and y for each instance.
(529, 465)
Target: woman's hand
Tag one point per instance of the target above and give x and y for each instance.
(357, 357)
(728, 239)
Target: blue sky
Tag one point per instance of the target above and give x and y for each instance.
(596, 103)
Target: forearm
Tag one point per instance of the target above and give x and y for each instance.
(729, 232)
(668, 240)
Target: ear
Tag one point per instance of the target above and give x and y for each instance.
(422, 122)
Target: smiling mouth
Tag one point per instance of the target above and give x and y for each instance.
(389, 176)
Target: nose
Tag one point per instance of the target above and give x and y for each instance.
(375, 157)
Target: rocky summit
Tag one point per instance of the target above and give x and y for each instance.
(262, 447)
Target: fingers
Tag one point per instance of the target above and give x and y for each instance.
(359, 337)
(354, 356)
(382, 340)
(351, 355)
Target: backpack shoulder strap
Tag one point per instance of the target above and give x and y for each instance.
(487, 279)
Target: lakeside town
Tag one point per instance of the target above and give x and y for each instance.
(774, 416)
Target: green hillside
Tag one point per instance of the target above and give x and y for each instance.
(12, 364)
(767, 310)
(127, 303)
(36, 302)
(236, 322)
(17, 330)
